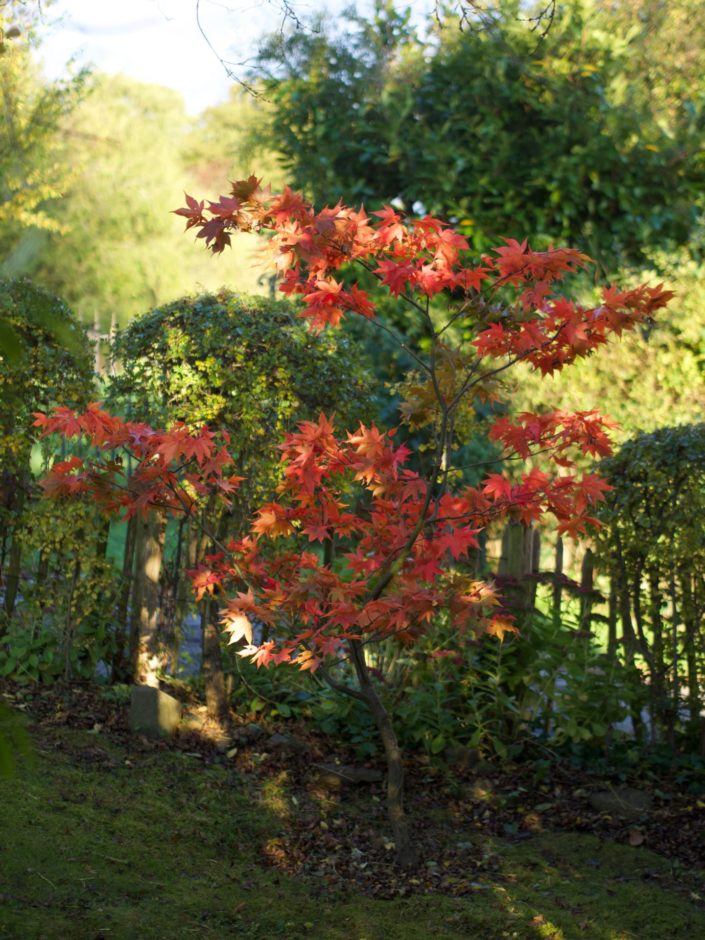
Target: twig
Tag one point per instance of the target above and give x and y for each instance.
(44, 877)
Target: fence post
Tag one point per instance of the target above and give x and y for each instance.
(557, 584)
(587, 576)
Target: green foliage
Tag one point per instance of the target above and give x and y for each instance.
(497, 698)
(242, 363)
(33, 169)
(652, 378)
(559, 138)
(654, 513)
(62, 625)
(653, 545)
(52, 366)
(276, 694)
(343, 718)
(495, 695)
(117, 694)
(120, 251)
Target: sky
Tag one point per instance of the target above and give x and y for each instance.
(160, 41)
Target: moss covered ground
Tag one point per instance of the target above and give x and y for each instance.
(104, 840)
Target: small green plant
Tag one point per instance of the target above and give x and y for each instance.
(549, 683)
(116, 694)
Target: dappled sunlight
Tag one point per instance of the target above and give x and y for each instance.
(320, 618)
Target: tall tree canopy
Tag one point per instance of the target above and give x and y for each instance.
(505, 134)
(33, 171)
(119, 251)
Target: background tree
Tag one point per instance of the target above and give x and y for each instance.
(46, 374)
(652, 546)
(118, 254)
(33, 167)
(493, 129)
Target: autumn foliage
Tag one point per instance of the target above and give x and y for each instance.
(357, 546)
(399, 536)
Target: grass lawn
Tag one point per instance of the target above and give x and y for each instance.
(100, 839)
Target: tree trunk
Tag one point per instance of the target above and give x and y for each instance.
(145, 654)
(212, 664)
(658, 672)
(14, 571)
(69, 626)
(121, 658)
(42, 568)
(532, 564)
(690, 622)
(186, 558)
(136, 595)
(406, 851)
(512, 568)
(14, 567)
(612, 620)
(630, 641)
(675, 687)
(212, 656)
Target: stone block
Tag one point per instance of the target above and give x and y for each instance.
(153, 712)
(622, 801)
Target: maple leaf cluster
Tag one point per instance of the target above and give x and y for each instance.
(422, 257)
(172, 468)
(402, 535)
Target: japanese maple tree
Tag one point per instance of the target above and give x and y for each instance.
(357, 546)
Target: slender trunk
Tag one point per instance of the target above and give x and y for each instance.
(121, 659)
(658, 668)
(213, 674)
(512, 569)
(532, 559)
(482, 554)
(644, 647)
(212, 656)
(675, 688)
(630, 642)
(42, 568)
(14, 572)
(628, 634)
(128, 566)
(587, 577)
(69, 626)
(103, 537)
(181, 587)
(14, 567)
(557, 584)
(639, 616)
(146, 653)
(406, 851)
(136, 595)
(612, 620)
(690, 622)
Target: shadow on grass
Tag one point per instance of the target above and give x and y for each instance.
(107, 840)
